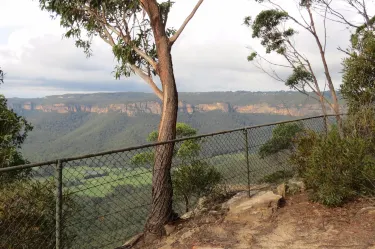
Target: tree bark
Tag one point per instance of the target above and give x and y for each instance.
(186, 203)
(336, 107)
(162, 192)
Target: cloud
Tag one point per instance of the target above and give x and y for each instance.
(209, 56)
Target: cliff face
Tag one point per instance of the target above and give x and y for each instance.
(155, 107)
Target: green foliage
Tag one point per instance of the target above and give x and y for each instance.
(13, 132)
(27, 215)
(282, 139)
(336, 168)
(188, 149)
(277, 177)
(299, 78)
(143, 159)
(182, 130)
(266, 26)
(79, 133)
(361, 123)
(252, 56)
(126, 21)
(194, 180)
(358, 86)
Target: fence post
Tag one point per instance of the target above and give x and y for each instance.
(59, 194)
(247, 159)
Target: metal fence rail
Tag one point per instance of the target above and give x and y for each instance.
(100, 200)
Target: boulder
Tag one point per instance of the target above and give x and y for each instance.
(235, 199)
(187, 215)
(281, 190)
(169, 228)
(263, 199)
(366, 210)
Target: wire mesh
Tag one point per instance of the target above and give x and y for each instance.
(107, 197)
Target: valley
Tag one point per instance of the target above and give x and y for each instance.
(76, 124)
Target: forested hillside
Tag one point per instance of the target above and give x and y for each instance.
(74, 132)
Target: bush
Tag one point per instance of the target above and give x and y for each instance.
(282, 139)
(361, 123)
(27, 215)
(277, 177)
(194, 181)
(335, 168)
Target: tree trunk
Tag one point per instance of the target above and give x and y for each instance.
(324, 109)
(162, 192)
(336, 107)
(186, 203)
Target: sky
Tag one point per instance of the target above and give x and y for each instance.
(210, 55)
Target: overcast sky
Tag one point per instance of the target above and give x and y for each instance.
(210, 55)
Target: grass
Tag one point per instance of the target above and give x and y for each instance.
(235, 170)
(103, 185)
(233, 167)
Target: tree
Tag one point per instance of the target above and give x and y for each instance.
(271, 26)
(192, 178)
(195, 179)
(281, 140)
(13, 132)
(186, 151)
(359, 74)
(137, 32)
(358, 86)
(349, 7)
(27, 208)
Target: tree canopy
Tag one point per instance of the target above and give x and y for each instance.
(185, 151)
(123, 25)
(282, 139)
(13, 132)
(358, 86)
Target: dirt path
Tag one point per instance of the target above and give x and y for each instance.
(299, 224)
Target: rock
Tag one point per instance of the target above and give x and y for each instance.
(281, 190)
(187, 215)
(131, 242)
(264, 199)
(235, 199)
(208, 220)
(214, 212)
(367, 210)
(188, 234)
(201, 203)
(169, 229)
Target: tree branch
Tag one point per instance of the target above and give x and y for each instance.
(135, 48)
(187, 20)
(338, 14)
(149, 81)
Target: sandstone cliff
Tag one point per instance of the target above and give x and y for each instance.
(155, 107)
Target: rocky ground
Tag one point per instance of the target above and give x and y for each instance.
(267, 220)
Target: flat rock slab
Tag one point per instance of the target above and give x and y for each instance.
(263, 199)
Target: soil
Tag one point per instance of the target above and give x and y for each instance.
(299, 224)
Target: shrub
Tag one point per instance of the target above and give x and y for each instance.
(27, 215)
(277, 177)
(361, 123)
(335, 168)
(282, 139)
(194, 181)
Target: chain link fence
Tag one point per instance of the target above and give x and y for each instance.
(101, 200)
